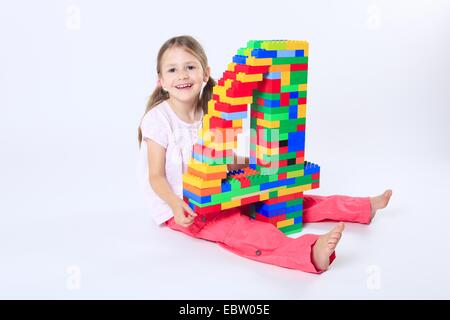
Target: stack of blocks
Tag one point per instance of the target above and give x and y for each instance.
(271, 77)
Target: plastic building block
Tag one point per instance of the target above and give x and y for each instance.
(267, 81)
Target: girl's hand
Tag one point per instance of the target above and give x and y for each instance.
(182, 213)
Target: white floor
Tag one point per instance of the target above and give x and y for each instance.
(73, 223)
(79, 241)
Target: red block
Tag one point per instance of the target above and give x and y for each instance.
(270, 86)
(209, 209)
(216, 122)
(249, 200)
(285, 198)
(316, 176)
(226, 107)
(301, 127)
(299, 67)
(282, 176)
(283, 150)
(272, 220)
(284, 99)
(228, 75)
(251, 69)
(301, 100)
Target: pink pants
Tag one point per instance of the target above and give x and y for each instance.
(262, 241)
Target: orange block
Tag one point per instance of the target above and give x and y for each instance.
(202, 192)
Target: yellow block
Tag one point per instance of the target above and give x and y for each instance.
(302, 87)
(230, 204)
(301, 111)
(293, 174)
(205, 124)
(285, 78)
(285, 223)
(287, 191)
(242, 77)
(268, 123)
(231, 66)
(221, 146)
(212, 109)
(252, 61)
(219, 90)
(206, 168)
(237, 123)
(298, 45)
(199, 182)
(264, 196)
(267, 151)
(228, 83)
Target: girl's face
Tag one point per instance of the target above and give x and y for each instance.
(182, 75)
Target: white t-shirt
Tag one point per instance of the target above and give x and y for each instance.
(163, 126)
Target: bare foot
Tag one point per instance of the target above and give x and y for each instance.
(380, 202)
(325, 246)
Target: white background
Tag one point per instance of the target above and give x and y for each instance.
(74, 80)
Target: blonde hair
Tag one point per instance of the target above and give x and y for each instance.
(192, 46)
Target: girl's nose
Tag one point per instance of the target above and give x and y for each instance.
(182, 75)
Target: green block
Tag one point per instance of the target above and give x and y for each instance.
(268, 110)
(289, 88)
(267, 95)
(277, 116)
(294, 202)
(273, 194)
(284, 136)
(227, 160)
(299, 77)
(294, 228)
(294, 214)
(275, 45)
(277, 157)
(290, 60)
(254, 44)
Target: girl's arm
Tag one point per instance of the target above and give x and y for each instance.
(160, 185)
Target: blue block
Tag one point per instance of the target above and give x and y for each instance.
(234, 115)
(192, 206)
(271, 103)
(271, 214)
(297, 207)
(293, 95)
(298, 220)
(296, 141)
(299, 53)
(240, 59)
(286, 53)
(274, 184)
(270, 207)
(273, 75)
(293, 112)
(262, 53)
(311, 168)
(197, 156)
(195, 197)
(226, 186)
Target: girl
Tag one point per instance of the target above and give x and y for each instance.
(167, 133)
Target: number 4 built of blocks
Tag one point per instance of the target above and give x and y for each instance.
(271, 77)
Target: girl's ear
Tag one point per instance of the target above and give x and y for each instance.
(207, 74)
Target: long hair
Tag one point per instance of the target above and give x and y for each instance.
(192, 46)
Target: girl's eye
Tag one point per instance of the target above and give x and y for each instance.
(171, 70)
(191, 67)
